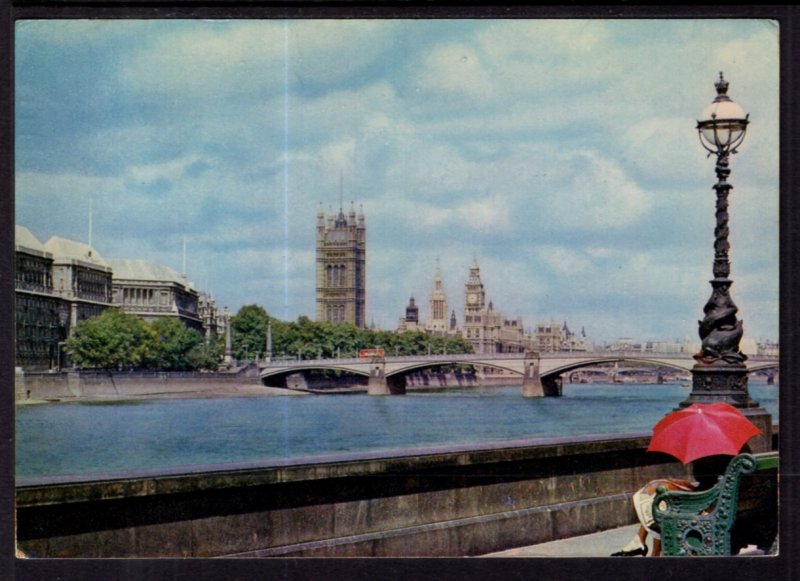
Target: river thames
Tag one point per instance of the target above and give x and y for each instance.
(82, 438)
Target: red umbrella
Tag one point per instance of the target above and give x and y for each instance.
(702, 430)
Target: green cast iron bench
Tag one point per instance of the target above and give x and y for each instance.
(740, 509)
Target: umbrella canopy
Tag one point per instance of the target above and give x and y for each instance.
(702, 430)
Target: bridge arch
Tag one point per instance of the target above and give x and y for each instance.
(281, 377)
(277, 372)
(575, 365)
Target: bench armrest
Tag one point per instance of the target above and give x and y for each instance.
(699, 523)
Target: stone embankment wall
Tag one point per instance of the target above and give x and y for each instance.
(89, 384)
(455, 501)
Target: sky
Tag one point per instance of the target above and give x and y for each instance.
(561, 155)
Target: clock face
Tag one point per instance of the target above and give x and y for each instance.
(472, 298)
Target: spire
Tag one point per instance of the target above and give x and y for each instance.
(184, 257)
(437, 276)
(341, 189)
(341, 221)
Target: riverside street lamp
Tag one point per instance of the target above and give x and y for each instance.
(720, 373)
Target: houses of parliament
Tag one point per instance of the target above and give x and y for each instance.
(341, 251)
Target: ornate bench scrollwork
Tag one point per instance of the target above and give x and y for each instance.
(700, 523)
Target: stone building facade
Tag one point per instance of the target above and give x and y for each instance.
(552, 336)
(62, 282)
(154, 291)
(41, 317)
(437, 322)
(212, 317)
(411, 320)
(487, 329)
(58, 284)
(341, 289)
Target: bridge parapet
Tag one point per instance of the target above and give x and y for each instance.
(444, 358)
(548, 366)
(609, 356)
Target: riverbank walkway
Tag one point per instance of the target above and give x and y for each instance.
(600, 544)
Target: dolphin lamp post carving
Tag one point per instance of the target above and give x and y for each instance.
(720, 373)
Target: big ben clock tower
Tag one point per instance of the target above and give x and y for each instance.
(474, 292)
(474, 309)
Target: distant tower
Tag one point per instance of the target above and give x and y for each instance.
(474, 292)
(437, 322)
(412, 312)
(475, 313)
(341, 267)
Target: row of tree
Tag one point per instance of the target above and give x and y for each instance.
(309, 339)
(118, 340)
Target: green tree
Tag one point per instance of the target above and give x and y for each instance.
(113, 340)
(207, 355)
(249, 331)
(176, 341)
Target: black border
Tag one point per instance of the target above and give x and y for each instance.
(773, 568)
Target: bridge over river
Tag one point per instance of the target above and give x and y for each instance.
(540, 372)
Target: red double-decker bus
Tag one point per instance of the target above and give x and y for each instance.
(371, 353)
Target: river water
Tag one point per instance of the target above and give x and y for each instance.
(92, 437)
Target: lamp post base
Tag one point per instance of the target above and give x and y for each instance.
(728, 383)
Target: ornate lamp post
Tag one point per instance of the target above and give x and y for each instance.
(720, 373)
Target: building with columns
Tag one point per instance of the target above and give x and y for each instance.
(341, 289)
(81, 276)
(58, 284)
(62, 282)
(154, 291)
(41, 316)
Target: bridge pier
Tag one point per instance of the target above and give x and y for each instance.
(377, 378)
(531, 383)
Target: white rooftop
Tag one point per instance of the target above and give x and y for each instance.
(24, 239)
(137, 269)
(64, 249)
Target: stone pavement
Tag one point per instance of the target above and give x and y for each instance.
(600, 544)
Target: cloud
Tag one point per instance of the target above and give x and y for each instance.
(211, 61)
(564, 260)
(171, 170)
(455, 71)
(331, 54)
(594, 193)
(561, 153)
